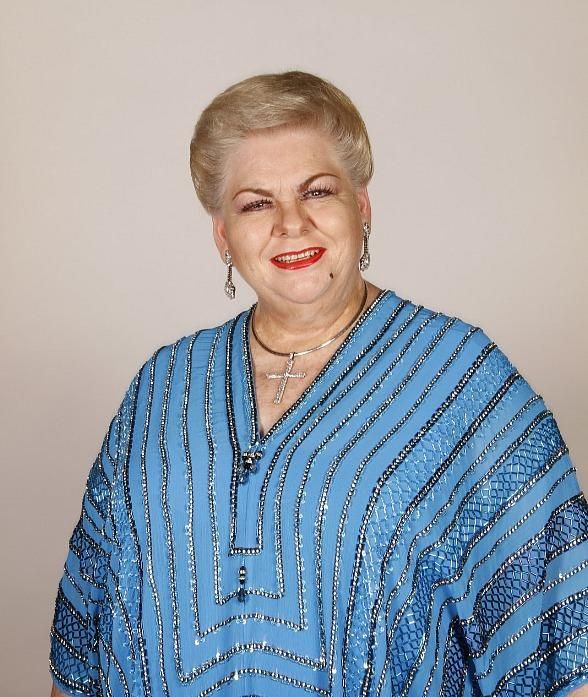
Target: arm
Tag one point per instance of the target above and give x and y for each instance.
(55, 692)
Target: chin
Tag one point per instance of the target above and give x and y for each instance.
(302, 290)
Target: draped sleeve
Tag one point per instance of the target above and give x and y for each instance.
(79, 622)
(521, 626)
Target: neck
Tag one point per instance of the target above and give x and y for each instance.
(296, 327)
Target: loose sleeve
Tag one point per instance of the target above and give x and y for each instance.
(524, 621)
(76, 629)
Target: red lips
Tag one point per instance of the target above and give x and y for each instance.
(307, 260)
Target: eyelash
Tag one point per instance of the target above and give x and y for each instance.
(255, 205)
(259, 204)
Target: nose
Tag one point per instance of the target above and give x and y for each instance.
(291, 218)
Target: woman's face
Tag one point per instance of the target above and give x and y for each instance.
(291, 217)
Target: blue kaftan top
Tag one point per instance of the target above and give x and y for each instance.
(411, 526)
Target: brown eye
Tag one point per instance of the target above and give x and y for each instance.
(318, 192)
(255, 205)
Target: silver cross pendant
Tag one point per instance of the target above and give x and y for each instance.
(284, 377)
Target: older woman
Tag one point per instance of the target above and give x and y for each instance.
(337, 492)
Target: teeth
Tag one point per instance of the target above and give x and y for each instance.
(286, 258)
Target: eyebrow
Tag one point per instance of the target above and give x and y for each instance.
(305, 183)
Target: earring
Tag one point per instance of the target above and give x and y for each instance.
(229, 285)
(364, 261)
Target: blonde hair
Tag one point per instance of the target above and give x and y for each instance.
(272, 101)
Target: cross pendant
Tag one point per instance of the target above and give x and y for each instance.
(284, 377)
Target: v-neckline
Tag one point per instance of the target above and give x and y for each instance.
(250, 372)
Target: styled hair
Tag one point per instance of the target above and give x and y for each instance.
(290, 99)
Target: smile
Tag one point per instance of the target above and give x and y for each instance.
(298, 259)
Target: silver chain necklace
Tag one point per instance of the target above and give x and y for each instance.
(287, 373)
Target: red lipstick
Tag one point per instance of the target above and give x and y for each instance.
(298, 259)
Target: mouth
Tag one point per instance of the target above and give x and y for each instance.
(298, 259)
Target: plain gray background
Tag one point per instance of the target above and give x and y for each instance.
(477, 113)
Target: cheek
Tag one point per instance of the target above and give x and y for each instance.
(248, 247)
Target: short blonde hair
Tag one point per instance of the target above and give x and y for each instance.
(271, 101)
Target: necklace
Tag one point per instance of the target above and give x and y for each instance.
(287, 373)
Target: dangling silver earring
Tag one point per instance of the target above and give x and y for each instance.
(364, 261)
(229, 285)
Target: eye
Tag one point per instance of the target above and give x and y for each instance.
(257, 205)
(318, 192)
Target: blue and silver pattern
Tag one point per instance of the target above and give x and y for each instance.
(412, 525)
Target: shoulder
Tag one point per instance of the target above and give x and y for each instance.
(454, 330)
(463, 352)
(162, 379)
(194, 348)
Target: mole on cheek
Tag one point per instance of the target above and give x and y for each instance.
(330, 274)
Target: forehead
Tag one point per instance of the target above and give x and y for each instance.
(284, 154)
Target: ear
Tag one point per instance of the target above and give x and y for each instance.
(219, 234)
(364, 205)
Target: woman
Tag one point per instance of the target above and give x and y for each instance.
(337, 492)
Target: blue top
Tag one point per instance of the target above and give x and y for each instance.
(411, 526)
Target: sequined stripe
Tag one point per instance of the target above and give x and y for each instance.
(479, 535)
(539, 618)
(320, 404)
(454, 454)
(365, 461)
(123, 440)
(322, 505)
(348, 339)
(164, 501)
(55, 634)
(105, 684)
(369, 422)
(474, 538)
(242, 648)
(75, 585)
(234, 490)
(190, 486)
(249, 380)
(256, 616)
(566, 680)
(447, 504)
(540, 656)
(97, 470)
(218, 598)
(79, 553)
(532, 590)
(62, 598)
(121, 451)
(145, 492)
(108, 438)
(486, 351)
(434, 522)
(117, 666)
(126, 620)
(95, 529)
(511, 531)
(454, 667)
(278, 677)
(89, 689)
(126, 434)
